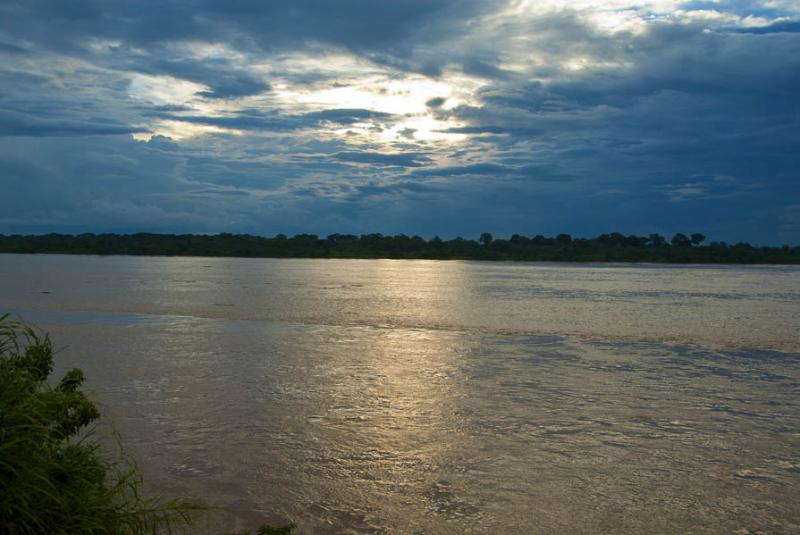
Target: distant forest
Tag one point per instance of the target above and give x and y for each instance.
(614, 247)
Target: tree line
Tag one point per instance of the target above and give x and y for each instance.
(612, 247)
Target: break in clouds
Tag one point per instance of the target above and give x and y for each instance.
(428, 117)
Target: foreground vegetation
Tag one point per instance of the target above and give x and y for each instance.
(613, 247)
(53, 477)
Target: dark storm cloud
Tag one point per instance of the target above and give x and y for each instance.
(346, 116)
(356, 24)
(223, 77)
(788, 26)
(139, 37)
(12, 49)
(17, 124)
(474, 169)
(224, 82)
(682, 121)
(686, 92)
(402, 188)
(405, 159)
(247, 120)
(250, 119)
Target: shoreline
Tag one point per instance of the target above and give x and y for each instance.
(661, 263)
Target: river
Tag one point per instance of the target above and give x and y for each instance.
(397, 396)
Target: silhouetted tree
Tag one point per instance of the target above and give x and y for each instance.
(680, 240)
(563, 239)
(656, 240)
(697, 238)
(485, 239)
(635, 241)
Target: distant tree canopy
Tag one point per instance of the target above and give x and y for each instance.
(612, 247)
(680, 240)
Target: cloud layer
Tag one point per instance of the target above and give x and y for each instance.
(421, 117)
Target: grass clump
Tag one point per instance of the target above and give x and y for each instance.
(53, 478)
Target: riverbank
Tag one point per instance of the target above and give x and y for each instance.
(613, 247)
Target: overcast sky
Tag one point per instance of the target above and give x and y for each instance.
(430, 117)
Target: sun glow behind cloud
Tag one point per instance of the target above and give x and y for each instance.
(341, 80)
(163, 90)
(402, 101)
(406, 98)
(514, 100)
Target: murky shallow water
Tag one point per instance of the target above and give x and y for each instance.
(441, 397)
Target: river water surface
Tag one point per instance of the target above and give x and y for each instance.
(386, 396)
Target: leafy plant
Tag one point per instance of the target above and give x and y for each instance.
(53, 478)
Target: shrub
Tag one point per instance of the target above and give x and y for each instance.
(53, 478)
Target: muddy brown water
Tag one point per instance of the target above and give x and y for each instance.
(381, 396)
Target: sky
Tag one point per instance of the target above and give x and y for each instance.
(428, 117)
